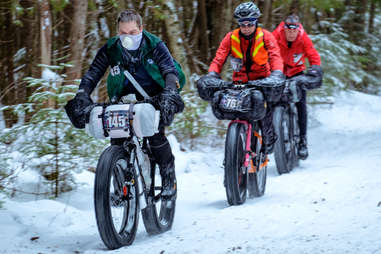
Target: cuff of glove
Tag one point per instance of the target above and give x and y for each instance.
(171, 81)
(214, 74)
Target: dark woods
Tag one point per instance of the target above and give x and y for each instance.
(59, 32)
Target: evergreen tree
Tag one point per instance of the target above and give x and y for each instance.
(48, 142)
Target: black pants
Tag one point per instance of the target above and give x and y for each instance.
(161, 151)
(267, 126)
(302, 113)
(160, 148)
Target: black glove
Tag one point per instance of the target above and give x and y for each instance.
(78, 109)
(170, 104)
(171, 81)
(208, 84)
(314, 77)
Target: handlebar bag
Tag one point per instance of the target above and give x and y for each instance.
(207, 86)
(114, 121)
(246, 104)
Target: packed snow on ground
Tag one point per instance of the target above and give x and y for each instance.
(331, 203)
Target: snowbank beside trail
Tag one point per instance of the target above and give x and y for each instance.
(351, 111)
(330, 204)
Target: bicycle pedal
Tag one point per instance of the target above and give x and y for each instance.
(252, 168)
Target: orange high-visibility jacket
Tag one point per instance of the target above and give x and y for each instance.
(264, 53)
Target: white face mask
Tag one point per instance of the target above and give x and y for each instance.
(131, 42)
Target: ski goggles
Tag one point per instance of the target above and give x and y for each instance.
(291, 26)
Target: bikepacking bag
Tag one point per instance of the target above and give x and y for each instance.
(114, 121)
(246, 104)
(272, 88)
(207, 86)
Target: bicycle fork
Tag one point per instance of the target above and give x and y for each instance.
(133, 148)
(249, 154)
(248, 151)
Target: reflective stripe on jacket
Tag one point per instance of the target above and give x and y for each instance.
(258, 53)
(256, 71)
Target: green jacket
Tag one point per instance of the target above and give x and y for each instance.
(116, 78)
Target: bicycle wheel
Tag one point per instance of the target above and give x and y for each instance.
(284, 149)
(115, 198)
(296, 136)
(257, 179)
(235, 172)
(159, 214)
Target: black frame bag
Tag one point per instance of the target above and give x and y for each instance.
(247, 104)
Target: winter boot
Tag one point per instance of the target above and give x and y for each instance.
(302, 148)
(268, 143)
(168, 182)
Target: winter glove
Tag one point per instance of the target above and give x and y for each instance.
(170, 104)
(78, 109)
(276, 78)
(313, 77)
(207, 85)
(171, 81)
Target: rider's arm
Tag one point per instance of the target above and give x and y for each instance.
(162, 57)
(96, 71)
(310, 51)
(222, 53)
(275, 59)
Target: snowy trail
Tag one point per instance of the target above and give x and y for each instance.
(330, 204)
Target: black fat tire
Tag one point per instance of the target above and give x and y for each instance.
(235, 178)
(111, 238)
(285, 152)
(157, 216)
(257, 180)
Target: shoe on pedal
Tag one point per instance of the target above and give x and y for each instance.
(302, 148)
(169, 186)
(268, 144)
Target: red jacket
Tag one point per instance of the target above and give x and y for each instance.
(294, 57)
(256, 71)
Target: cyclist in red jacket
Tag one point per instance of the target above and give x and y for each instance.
(295, 46)
(254, 55)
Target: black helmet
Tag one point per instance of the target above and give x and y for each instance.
(292, 21)
(246, 11)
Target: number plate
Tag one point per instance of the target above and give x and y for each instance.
(230, 103)
(116, 120)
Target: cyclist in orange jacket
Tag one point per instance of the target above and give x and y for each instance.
(255, 54)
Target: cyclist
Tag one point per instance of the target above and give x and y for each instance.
(149, 61)
(254, 55)
(295, 46)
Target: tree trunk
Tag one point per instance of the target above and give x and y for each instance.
(175, 36)
(372, 11)
(77, 38)
(266, 17)
(7, 42)
(203, 34)
(45, 32)
(217, 25)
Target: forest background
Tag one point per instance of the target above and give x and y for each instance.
(47, 45)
